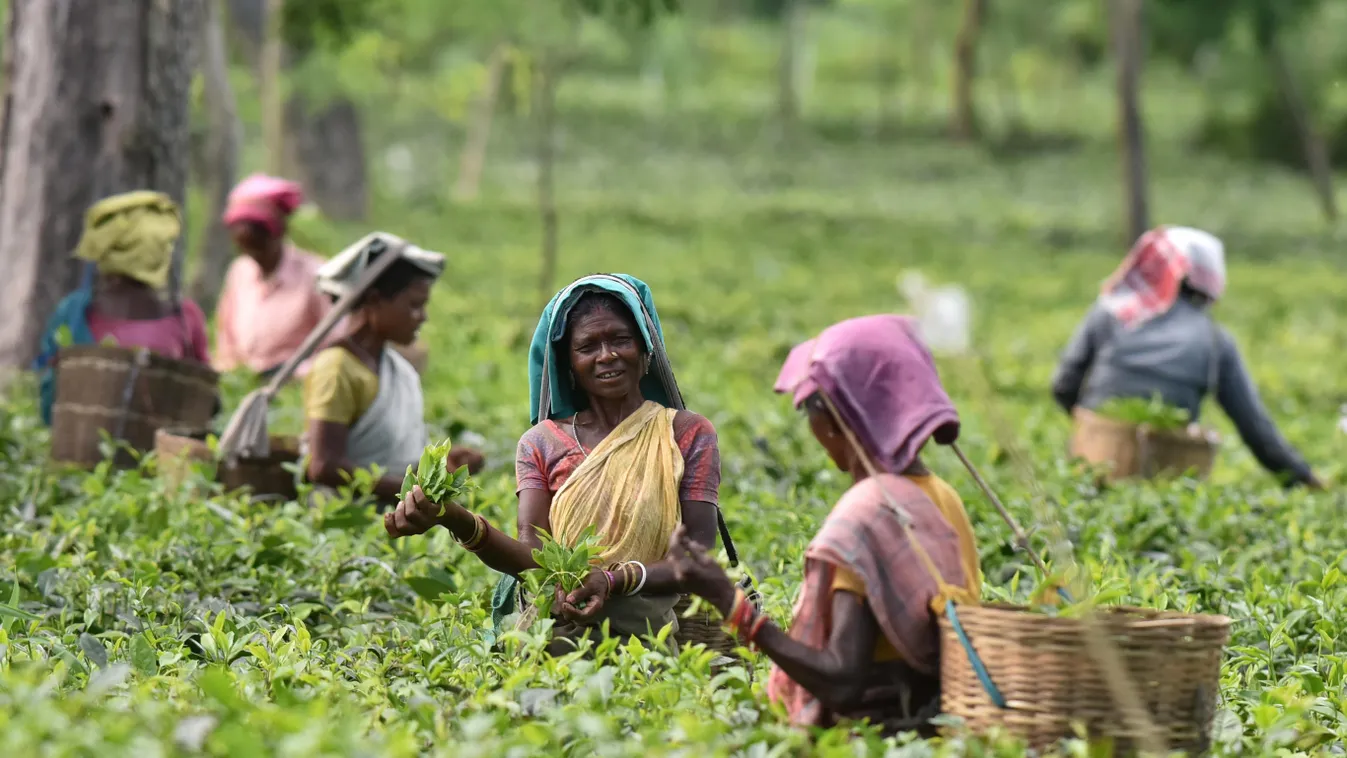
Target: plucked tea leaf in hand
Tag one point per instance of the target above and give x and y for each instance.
(433, 475)
(560, 566)
(408, 481)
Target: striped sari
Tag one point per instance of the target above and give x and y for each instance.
(865, 536)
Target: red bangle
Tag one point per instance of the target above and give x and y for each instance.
(732, 619)
(743, 615)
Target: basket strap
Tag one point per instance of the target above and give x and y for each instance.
(904, 518)
(392, 252)
(979, 667)
(142, 358)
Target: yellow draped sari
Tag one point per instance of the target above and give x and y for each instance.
(627, 488)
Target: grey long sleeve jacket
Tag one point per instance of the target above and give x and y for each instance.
(1171, 355)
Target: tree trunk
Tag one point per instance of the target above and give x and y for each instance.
(545, 107)
(1311, 142)
(965, 126)
(246, 28)
(473, 159)
(1127, 19)
(794, 17)
(6, 76)
(224, 135)
(98, 104)
(273, 112)
(326, 150)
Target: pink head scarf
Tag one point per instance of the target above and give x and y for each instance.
(264, 200)
(883, 381)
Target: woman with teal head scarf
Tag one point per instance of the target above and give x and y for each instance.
(611, 447)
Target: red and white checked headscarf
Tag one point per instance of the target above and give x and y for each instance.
(1147, 283)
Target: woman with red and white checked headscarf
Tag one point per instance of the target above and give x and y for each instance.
(1150, 332)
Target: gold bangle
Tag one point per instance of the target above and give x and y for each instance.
(632, 579)
(480, 529)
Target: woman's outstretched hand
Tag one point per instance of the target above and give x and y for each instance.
(584, 602)
(698, 573)
(415, 514)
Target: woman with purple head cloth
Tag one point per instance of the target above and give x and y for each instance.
(864, 642)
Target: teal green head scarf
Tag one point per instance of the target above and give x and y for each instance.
(550, 392)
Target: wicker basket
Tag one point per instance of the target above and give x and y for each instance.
(267, 478)
(1050, 681)
(134, 392)
(177, 450)
(1135, 451)
(702, 628)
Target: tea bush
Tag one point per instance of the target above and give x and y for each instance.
(146, 619)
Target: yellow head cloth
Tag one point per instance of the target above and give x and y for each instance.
(132, 234)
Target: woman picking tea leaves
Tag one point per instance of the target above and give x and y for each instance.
(1151, 333)
(863, 642)
(129, 239)
(362, 400)
(610, 450)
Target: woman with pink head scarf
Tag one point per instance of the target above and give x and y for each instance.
(270, 300)
(863, 642)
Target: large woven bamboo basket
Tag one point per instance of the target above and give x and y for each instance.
(267, 478)
(92, 395)
(1135, 451)
(177, 450)
(1050, 681)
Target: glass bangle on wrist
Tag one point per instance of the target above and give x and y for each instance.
(480, 529)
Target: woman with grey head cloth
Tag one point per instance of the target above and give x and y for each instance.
(1151, 332)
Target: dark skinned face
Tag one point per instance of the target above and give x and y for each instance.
(607, 355)
(397, 319)
(826, 432)
(254, 241)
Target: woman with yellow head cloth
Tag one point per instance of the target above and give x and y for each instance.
(129, 240)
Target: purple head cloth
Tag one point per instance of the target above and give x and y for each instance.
(882, 379)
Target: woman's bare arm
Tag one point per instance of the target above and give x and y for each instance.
(328, 464)
(836, 675)
(416, 514)
(535, 509)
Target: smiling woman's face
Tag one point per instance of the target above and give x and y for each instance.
(607, 354)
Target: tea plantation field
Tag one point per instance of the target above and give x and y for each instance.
(145, 620)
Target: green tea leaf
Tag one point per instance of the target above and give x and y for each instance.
(430, 588)
(143, 657)
(408, 481)
(94, 650)
(350, 517)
